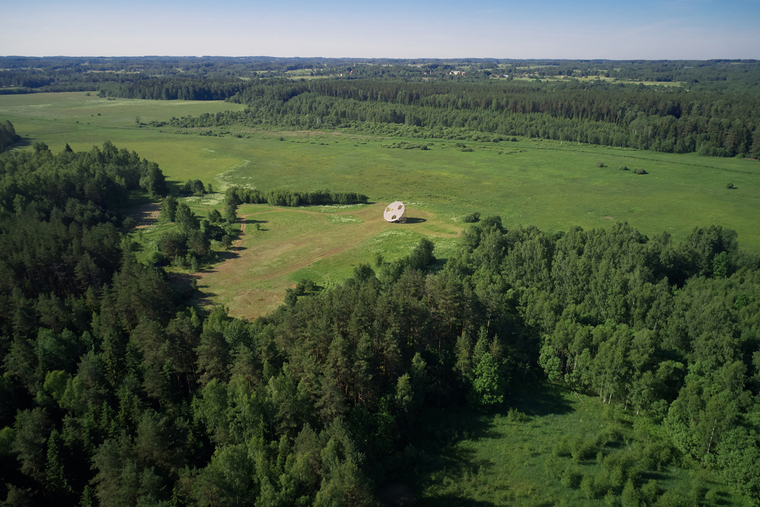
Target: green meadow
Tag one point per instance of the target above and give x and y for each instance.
(552, 447)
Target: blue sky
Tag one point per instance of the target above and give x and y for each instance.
(649, 29)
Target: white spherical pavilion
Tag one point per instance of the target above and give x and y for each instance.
(395, 212)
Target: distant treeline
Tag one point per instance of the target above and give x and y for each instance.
(239, 195)
(715, 124)
(22, 74)
(174, 89)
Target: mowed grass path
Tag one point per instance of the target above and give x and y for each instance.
(548, 184)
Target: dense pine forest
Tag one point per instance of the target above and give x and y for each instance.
(117, 391)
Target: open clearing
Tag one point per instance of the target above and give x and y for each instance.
(548, 184)
(488, 459)
(291, 244)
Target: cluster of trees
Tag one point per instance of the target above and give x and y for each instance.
(237, 195)
(189, 244)
(8, 135)
(175, 89)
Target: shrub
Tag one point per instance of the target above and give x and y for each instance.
(623, 168)
(571, 478)
(582, 449)
(589, 487)
(640, 171)
(553, 467)
(730, 185)
(610, 435)
(472, 218)
(600, 164)
(562, 448)
(515, 416)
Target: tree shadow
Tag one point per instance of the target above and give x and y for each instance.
(414, 220)
(222, 256)
(436, 454)
(203, 297)
(539, 401)
(22, 142)
(184, 285)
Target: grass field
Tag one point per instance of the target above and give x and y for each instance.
(495, 458)
(548, 184)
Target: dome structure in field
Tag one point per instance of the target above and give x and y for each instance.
(395, 212)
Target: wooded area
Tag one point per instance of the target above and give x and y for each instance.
(116, 392)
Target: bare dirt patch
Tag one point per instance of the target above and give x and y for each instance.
(609, 217)
(146, 214)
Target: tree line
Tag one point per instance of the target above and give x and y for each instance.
(238, 195)
(712, 124)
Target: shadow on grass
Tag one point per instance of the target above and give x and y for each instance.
(539, 401)
(438, 467)
(225, 255)
(412, 220)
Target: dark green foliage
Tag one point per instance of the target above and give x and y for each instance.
(230, 210)
(238, 195)
(7, 135)
(169, 208)
(640, 171)
(194, 187)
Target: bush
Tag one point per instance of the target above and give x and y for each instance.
(553, 467)
(623, 168)
(589, 487)
(515, 416)
(472, 218)
(730, 185)
(600, 164)
(571, 478)
(563, 447)
(610, 435)
(582, 449)
(639, 171)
